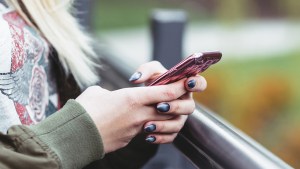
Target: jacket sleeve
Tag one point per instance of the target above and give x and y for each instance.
(68, 139)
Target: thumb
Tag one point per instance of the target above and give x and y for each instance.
(147, 72)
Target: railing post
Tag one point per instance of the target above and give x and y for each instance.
(84, 12)
(167, 27)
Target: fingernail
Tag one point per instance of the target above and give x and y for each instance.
(135, 76)
(192, 83)
(150, 128)
(150, 139)
(163, 107)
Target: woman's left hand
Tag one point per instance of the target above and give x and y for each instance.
(166, 131)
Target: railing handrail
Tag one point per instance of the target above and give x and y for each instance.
(223, 145)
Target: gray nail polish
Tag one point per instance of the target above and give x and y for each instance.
(192, 83)
(163, 107)
(150, 128)
(135, 76)
(150, 139)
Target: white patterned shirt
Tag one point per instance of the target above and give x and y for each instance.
(28, 90)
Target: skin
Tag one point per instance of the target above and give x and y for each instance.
(129, 110)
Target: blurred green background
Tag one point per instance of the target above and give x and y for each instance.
(257, 91)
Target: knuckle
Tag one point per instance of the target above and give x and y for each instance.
(137, 122)
(141, 120)
(155, 62)
(170, 94)
(183, 120)
(190, 107)
(174, 136)
(167, 139)
(131, 100)
(175, 108)
(158, 140)
(193, 106)
(161, 127)
(164, 140)
(161, 140)
(180, 123)
(203, 84)
(177, 128)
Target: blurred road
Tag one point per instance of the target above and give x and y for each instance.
(240, 41)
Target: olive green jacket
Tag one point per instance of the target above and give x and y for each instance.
(68, 139)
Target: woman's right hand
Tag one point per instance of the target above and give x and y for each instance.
(120, 115)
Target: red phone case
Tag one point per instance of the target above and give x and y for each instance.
(192, 65)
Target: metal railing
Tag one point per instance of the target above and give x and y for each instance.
(220, 145)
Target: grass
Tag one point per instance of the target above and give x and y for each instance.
(119, 14)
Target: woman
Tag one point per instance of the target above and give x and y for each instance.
(38, 39)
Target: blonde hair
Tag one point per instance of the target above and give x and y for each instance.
(53, 19)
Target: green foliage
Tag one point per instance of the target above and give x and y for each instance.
(118, 14)
(291, 8)
(261, 97)
(232, 10)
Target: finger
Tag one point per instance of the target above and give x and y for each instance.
(177, 107)
(196, 84)
(162, 93)
(186, 96)
(147, 71)
(152, 115)
(165, 127)
(161, 138)
(148, 113)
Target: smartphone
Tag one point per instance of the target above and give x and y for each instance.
(191, 66)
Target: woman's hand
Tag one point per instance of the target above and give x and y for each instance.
(120, 115)
(165, 131)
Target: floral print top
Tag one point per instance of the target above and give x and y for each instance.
(28, 90)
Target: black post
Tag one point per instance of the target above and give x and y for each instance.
(84, 12)
(167, 27)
